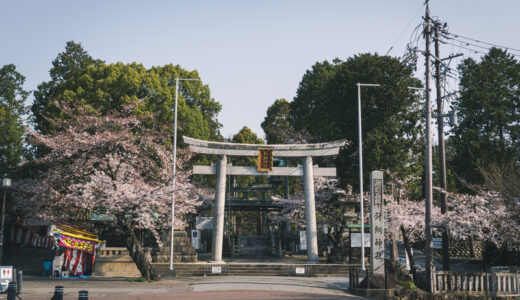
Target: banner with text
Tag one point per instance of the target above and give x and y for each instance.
(77, 244)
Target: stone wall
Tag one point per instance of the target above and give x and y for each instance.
(114, 262)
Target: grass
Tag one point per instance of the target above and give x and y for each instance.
(408, 284)
(135, 279)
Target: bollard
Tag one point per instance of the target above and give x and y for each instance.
(11, 291)
(83, 295)
(19, 279)
(58, 293)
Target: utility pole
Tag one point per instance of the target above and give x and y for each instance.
(428, 169)
(442, 155)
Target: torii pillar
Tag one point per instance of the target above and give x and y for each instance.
(310, 211)
(219, 211)
(221, 169)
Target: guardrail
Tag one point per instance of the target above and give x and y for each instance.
(491, 283)
(112, 251)
(353, 277)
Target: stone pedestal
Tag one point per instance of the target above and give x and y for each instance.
(183, 251)
(114, 262)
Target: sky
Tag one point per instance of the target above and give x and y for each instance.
(250, 53)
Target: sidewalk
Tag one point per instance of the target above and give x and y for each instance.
(192, 288)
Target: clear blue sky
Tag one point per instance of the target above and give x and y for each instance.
(248, 52)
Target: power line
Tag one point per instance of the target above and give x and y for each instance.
(465, 48)
(482, 42)
(474, 45)
(406, 28)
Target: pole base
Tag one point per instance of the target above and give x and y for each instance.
(170, 273)
(217, 262)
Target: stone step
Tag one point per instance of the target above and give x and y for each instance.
(188, 270)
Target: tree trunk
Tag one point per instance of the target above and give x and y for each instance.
(408, 249)
(471, 245)
(141, 257)
(334, 240)
(394, 256)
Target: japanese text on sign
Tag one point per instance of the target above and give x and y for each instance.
(377, 223)
(265, 159)
(77, 244)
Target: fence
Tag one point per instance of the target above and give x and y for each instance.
(478, 283)
(353, 277)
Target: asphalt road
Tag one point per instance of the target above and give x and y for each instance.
(247, 287)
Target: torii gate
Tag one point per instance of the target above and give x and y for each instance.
(221, 169)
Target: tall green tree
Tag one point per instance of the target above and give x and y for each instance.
(246, 136)
(12, 109)
(326, 107)
(489, 109)
(276, 124)
(78, 78)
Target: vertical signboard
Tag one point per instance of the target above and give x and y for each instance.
(195, 239)
(265, 160)
(303, 240)
(377, 223)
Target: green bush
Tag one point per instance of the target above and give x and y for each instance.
(408, 284)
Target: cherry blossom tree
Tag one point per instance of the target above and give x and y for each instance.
(404, 214)
(118, 162)
(485, 215)
(329, 208)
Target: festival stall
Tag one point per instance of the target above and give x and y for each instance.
(76, 248)
(21, 235)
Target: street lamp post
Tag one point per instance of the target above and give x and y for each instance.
(359, 85)
(6, 183)
(177, 79)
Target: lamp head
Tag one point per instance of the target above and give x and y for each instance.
(6, 182)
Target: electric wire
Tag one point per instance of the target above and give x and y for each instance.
(406, 28)
(482, 42)
(474, 45)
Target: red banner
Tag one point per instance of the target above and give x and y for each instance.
(81, 245)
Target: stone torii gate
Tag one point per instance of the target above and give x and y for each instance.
(221, 169)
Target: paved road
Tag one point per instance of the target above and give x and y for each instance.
(194, 288)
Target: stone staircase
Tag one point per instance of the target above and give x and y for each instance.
(183, 251)
(255, 269)
(250, 246)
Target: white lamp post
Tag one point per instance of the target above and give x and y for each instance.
(177, 79)
(6, 183)
(359, 85)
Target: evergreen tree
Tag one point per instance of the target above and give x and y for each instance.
(489, 109)
(276, 124)
(91, 83)
(12, 109)
(326, 107)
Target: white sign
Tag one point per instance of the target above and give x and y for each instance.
(355, 240)
(377, 223)
(437, 243)
(6, 273)
(204, 223)
(216, 270)
(195, 239)
(300, 271)
(303, 240)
